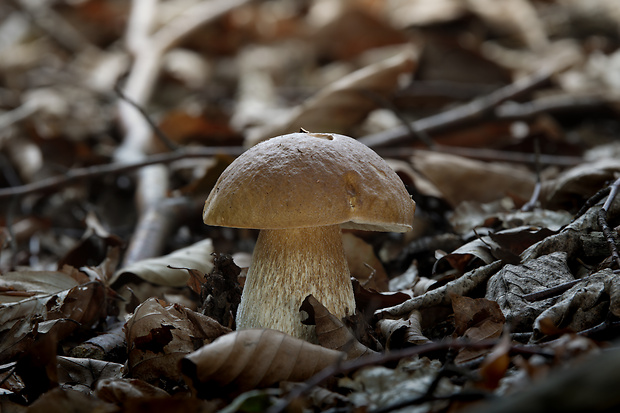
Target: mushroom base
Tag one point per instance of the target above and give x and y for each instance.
(287, 266)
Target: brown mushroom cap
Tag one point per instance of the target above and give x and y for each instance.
(306, 180)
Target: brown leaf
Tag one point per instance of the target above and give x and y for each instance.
(86, 371)
(169, 269)
(364, 264)
(400, 332)
(472, 312)
(249, 359)
(345, 102)
(59, 314)
(476, 319)
(496, 364)
(460, 179)
(158, 336)
(120, 390)
(331, 331)
(65, 400)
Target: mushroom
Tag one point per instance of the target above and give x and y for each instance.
(299, 190)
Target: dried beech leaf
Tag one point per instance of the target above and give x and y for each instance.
(158, 336)
(331, 331)
(476, 319)
(86, 371)
(249, 359)
(512, 282)
(364, 264)
(17, 285)
(460, 179)
(496, 364)
(157, 271)
(61, 400)
(583, 306)
(581, 182)
(61, 313)
(120, 390)
(476, 252)
(345, 102)
(402, 331)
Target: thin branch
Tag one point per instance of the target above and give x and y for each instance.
(474, 110)
(382, 358)
(75, 175)
(531, 204)
(158, 132)
(602, 220)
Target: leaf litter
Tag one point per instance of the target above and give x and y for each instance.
(501, 120)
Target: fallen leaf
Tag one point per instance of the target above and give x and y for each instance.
(331, 331)
(169, 270)
(345, 102)
(460, 179)
(583, 306)
(495, 364)
(512, 282)
(254, 358)
(400, 332)
(158, 336)
(363, 263)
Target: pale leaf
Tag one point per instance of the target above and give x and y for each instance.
(249, 359)
(157, 271)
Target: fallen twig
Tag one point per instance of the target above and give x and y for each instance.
(602, 220)
(476, 109)
(382, 358)
(75, 175)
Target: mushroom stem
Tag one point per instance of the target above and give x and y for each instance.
(287, 266)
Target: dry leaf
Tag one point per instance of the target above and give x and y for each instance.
(517, 18)
(585, 305)
(476, 319)
(363, 263)
(460, 179)
(158, 336)
(249, 359)
(158, 271)
(331, 331)
(345, 102)
(86, 371)
(512, 282)
(580, 182)
(402, 331)
(59, 314)
(119, 390)
(65, 400)
(496, 364)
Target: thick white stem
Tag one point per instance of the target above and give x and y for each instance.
(287, 266)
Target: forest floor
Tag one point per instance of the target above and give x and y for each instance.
(500, 119)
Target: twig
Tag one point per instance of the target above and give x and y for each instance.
(593, 200)
(169, 143)
(531, 204)
(382, 358)
(79, 174)
(549, 104)
(484, 154)
(602, 220)
(476, 109)
(20, 113)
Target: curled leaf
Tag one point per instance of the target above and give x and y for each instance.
(159, 336)
(169, 270)
(254, 358)
(331, 331)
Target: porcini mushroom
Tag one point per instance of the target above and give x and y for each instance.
(299, 190)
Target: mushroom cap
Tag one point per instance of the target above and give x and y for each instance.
(307, 180)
